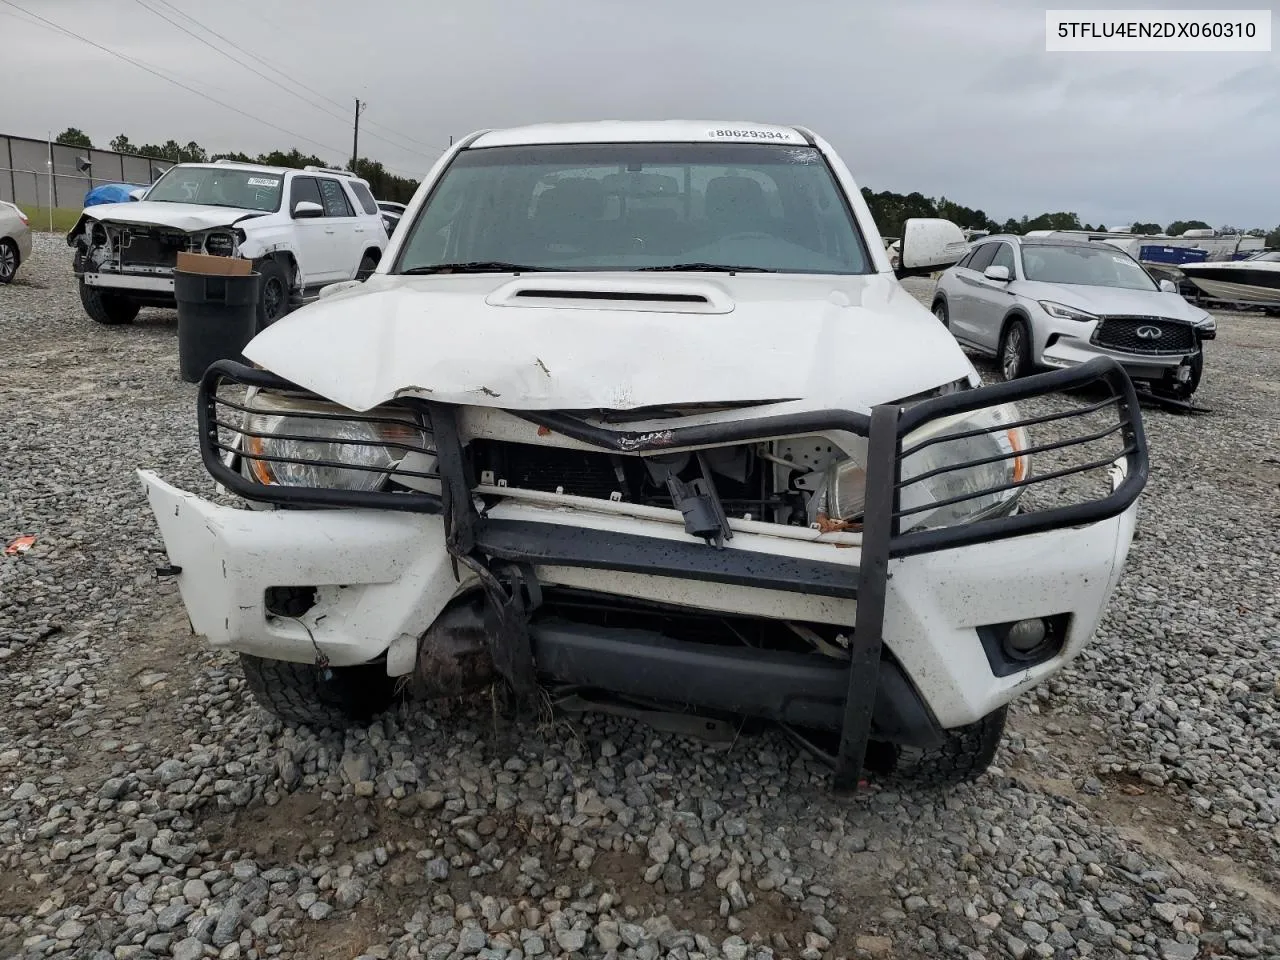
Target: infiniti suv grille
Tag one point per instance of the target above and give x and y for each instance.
(1144, 335)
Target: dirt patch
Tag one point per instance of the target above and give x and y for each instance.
(1156, 818)
(303, 824)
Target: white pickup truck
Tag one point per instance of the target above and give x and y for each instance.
(638, 416)
(301, 228)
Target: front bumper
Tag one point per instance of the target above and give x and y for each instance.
(383, 567)
(149, 282)
(1066, 352)
(384, 577)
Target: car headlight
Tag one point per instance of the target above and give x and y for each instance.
(219, 244)
(946, 481)
(299, 442)
(1063, 312)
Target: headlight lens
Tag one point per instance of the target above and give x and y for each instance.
(1063, 312)
(315, 445)
(841, 495)
(219, 244)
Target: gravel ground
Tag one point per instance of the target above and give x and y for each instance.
(149, 809)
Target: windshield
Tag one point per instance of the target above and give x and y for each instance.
(629, 206)
(220, 187)
(1092, 266)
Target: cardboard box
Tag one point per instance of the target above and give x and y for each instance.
(209, 266)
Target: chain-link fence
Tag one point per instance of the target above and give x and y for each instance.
(38, 175)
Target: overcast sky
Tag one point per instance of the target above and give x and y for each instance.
(949, 98)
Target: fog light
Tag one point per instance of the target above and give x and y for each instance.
(1025, 635)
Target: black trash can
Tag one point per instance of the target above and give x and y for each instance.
(217, 317)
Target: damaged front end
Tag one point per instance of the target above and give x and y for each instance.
(141, 258)
(830, 571)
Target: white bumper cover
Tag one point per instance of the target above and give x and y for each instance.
(382, 578)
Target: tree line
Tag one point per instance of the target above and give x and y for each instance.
(384, 184)
(889, 209)
(892, 209)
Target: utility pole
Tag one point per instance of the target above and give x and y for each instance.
(355, 137)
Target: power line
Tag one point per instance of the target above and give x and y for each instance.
(335, 151)
(285, 78)
(237, 62)
(235, 46)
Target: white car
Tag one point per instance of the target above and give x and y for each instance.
(1036, 302)
(639, 414)
(391, 214)
(15, 240)
(302, 229)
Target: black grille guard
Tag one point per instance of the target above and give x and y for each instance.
(480, 542)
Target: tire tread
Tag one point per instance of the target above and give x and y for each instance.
(299, 693)
(964, 754)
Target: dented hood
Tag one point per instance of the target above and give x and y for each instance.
(614, 341)
(180, 216)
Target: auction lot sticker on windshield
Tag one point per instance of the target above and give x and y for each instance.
(1130, 31)
(755, 133)
(263, 182)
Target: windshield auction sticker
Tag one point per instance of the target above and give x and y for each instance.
(1138, 31)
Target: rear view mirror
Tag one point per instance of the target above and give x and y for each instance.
(929, 244)
(1168, 286)
(1000, 274)
(307, 209)
(138, 194)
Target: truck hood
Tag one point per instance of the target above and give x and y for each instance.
(180, 216)
(605, 341)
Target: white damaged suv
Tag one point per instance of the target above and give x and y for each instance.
(302, 229)
(638, 415)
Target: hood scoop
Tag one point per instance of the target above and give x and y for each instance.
(592, 292)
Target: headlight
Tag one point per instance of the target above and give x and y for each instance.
(310, 443)
(970, 470)
(1063, 312)
(219, 244)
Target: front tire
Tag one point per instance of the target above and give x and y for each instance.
(8, 260)
(964, 755)
(940, 312)
(109, 309)
(273, 295)
(304, 693)
(1015, 351)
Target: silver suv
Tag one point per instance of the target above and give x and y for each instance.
(1040, 302)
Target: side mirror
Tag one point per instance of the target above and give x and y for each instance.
(998, 273)
(929, 244)
(138, 193)
(307, 210)
(1168, 286)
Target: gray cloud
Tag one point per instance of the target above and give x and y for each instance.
(947, 98)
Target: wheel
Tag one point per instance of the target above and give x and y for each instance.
(1015, 351)
(273, 296)
(302, 693)
(367, 266)
(964, 754)
(8, 260)
(111, 309)
(940, 311)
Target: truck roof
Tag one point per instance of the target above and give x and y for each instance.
(643, 131)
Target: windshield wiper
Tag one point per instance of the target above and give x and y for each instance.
(706, 268)
(474, 266)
